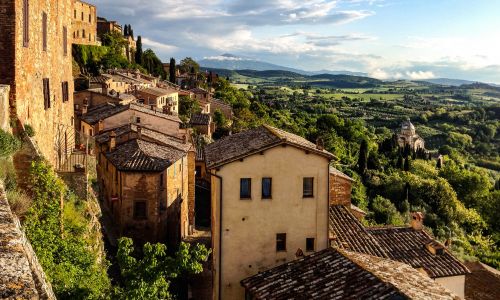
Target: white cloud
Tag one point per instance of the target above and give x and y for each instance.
(165, 47)
(420, 75)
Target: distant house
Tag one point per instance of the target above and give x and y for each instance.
(341, 274)
(202, 123)
(84, 23)
(408, 136)
(269, 199)
(411, 245)
(103, 117)
(104, 26)
(144, 182)
(166, 99)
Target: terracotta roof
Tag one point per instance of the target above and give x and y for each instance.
(107, 110)
(339, 274)
(251, 141)
(220, 103)
(408, 245)
(142, 156)
(198, 91)
(200, 119)
(357, 209)
(98, 79)
(157, 92)
(347, 232)
(483, 283)
(146, 133)
(336, 172)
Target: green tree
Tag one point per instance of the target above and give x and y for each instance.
(407, 165)
(189, 65)
(383, 211)
(188, 106)
(138, 52)
(363, 157)
(153, 64)
(149, 276)
(171, 70)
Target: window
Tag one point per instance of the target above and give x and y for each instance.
(198, 171)
(90, 18)
(309, 244)
(267, 187)
(245, 188)
(83, 33)
(281, 242)
(161, 179)
(46, 93)
(140, 212)
(65, 40)
(308, 187)
(82, 15)
(75, 13)
(26, 23)
(138, 120)
(65, 91)
(44, 31)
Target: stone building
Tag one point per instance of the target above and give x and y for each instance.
(269, 200)
(104, 26)
(341, 274)
(84, 23)
(144, 182)
(408, 136)
(166, 99)
(411, 245)
(35, 61)
(130, 48)
(203, 124)
(341, 190)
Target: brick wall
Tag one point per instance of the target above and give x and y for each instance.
(84, 31)
(340, 190)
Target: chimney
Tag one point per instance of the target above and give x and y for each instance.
(139, 132)
(435, 248)
(84, 109)
(320, 145)
(417, 221)
(112, 141)
(100, 126)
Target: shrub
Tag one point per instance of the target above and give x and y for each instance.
(8, 144)
(384, 212)
(19, 202)
(28, 130)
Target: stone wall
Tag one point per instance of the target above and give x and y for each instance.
(21, 276)
(84, 23)
(4, 107)
(340, 190)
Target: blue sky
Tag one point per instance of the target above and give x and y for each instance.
(387, 39)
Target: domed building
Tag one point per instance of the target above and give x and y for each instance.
(408, 136)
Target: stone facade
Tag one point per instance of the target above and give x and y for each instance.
(104, 26)
(408, 136)
(84, 23)
(340, 188)
(35, 57)
(4, 107)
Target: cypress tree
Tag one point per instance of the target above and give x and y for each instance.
(407, 164)
(172, 70)
(400, 163)
(363, 157)
(138, 52)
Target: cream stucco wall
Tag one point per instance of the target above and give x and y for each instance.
(455, 284)
(249, 227)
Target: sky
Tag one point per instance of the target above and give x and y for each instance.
(387, 39)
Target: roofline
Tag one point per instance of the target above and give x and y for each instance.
(87, 4)
(281, 142)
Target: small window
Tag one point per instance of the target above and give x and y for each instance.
(245, 188)
(83, 33)
(161, 179)
(309, 244)
(46, 93)
(75, 13)
(65, 91)
(65, 40)
(308, 187)
(281, 242)
(198, 171)
(82, 15)
(138, 120)
(26, 23)
(140, 212)
(44, 31)
(90, 18)
(267, 187)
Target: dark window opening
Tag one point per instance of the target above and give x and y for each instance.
(140, 212)
(46, 93)
(65, 91)
(44, 31)
(245, 188)
(267, 188)
(308, 187)
(309, 244)
(138, 120)
(198, 171)
(281, 242)
(161, 179)
(26, 23)
(65, 40)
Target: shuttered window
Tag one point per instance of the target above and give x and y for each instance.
(26, 23)
(46, 93)
(44, 31)
(65, 40)
(65, 91)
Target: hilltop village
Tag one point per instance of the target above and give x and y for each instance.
(269, 205)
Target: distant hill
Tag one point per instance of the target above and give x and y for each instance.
(232, 62)
(449, 81)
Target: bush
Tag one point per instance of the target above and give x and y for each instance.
(19, 202)
(28, 130)
(8, 144)
(384, 212)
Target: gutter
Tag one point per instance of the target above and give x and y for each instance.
(220, 231)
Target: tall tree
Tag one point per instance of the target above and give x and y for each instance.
(171, 70)
(138, 52)
(363, 157)
(407, 164)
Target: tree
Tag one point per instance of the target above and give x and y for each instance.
(384, 212)
(171, 70)
(400, 163)
(138, 52)
(125, 30)
(407, 165)
(153, 64)
(189, 65)
(363, 157)
(149, 276)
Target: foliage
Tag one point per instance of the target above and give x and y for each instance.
(363, 157)
(138, 51)
(8, 144)
(188, 106)
(59, 237)
(149, 276)
(189, 65)
(383, 211)
(28, 130)
(171, 70)
(153, 64)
